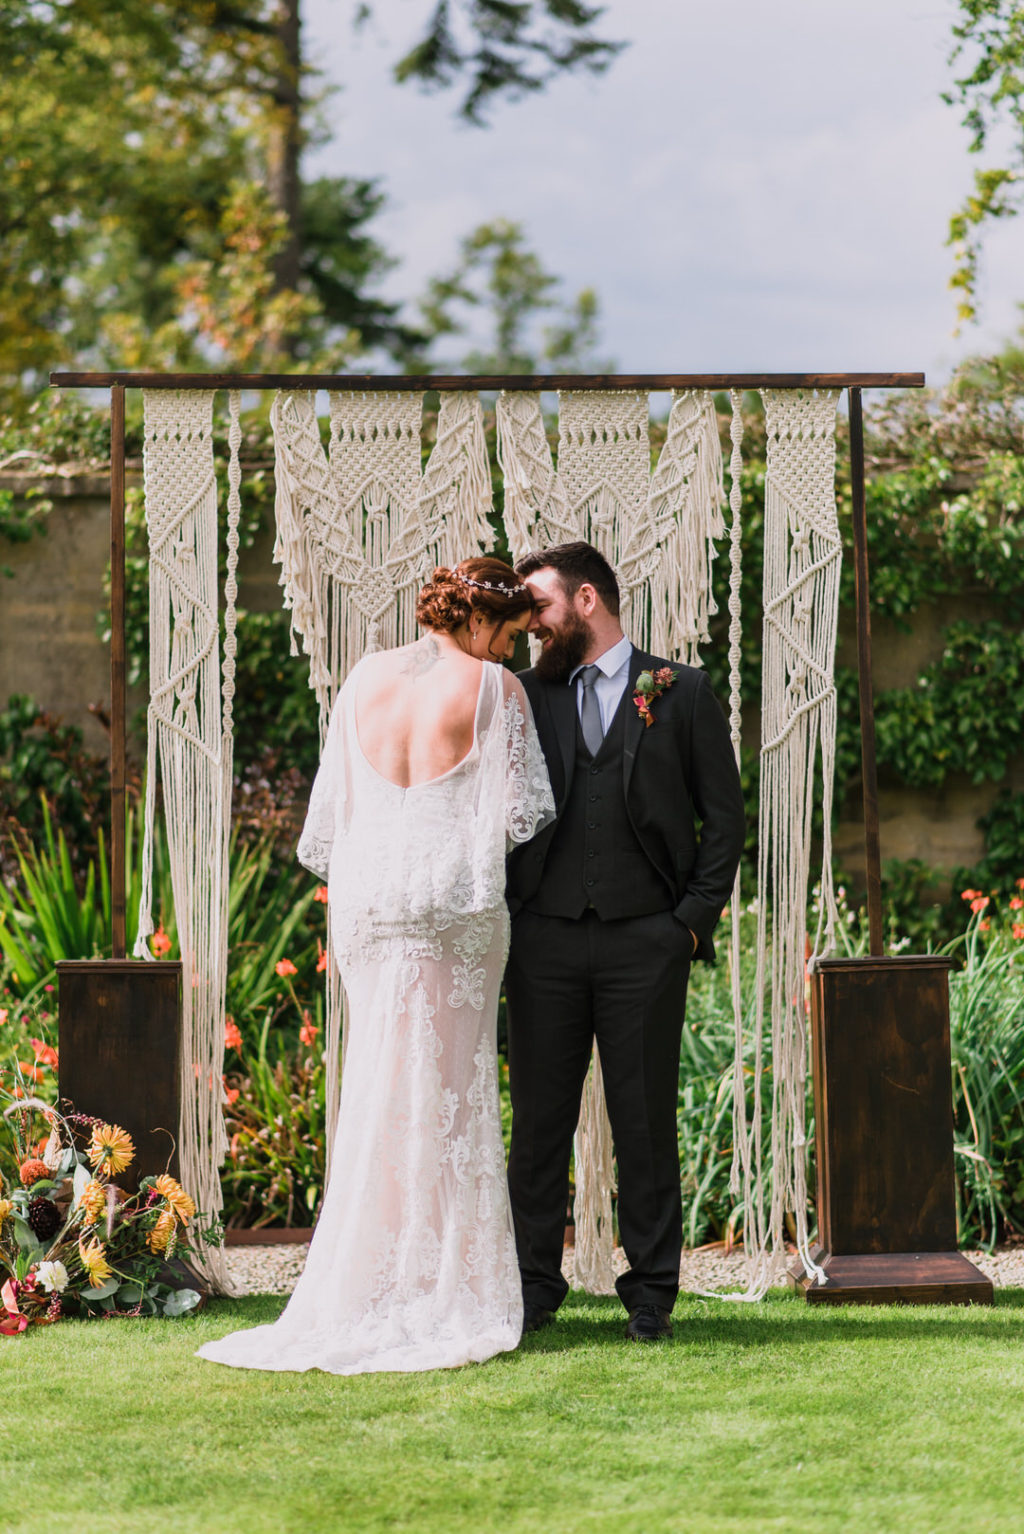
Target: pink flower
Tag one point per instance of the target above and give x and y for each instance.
(48, 987)
(160, 942)
(4, 1015)
(285, 967)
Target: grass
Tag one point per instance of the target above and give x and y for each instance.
(779, 1416)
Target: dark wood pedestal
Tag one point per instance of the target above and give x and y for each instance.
(120, 1036)
(884, 1136)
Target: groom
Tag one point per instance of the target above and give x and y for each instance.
(610, 905)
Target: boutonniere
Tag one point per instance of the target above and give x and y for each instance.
(648, 686)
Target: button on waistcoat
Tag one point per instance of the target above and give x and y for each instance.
(594, 858)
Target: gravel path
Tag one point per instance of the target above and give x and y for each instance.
(275, 1269)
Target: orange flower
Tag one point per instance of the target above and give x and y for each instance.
(32, 1170)
(44, 1053)
(308, 1031)
(111, 1149)
(1018, 929)
(231, 1095)
(285, 967)
(1017, 904)
(94, 1261)
(232, 1035)
(1020, 884)
(321, 894)
(93, 1201)
(162, 1231)
(31, 1072)
(983, 926)
(160, 942)
(171, 1190)
(321, 963)
(979, 903)
(4, 1015)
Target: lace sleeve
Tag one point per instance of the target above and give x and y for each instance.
(326, 815)
(529, 802)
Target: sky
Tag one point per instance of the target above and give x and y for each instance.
(748, 187)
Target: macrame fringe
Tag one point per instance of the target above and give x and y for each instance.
(187, 734)
(360, 528)
(657, 531)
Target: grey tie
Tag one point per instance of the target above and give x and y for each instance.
(590, 710)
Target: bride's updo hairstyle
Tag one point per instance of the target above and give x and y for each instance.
(487, 587)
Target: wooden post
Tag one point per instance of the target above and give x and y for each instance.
(118, 678)
(868, 758)
(869, 765)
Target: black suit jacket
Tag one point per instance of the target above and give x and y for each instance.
(676, 772)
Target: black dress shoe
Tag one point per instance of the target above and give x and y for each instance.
(535, 1316)
(649, 1323)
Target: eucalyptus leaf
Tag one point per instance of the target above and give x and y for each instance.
(180, 1301)
(129, 1294)
(27, 1239)
(103, 1291)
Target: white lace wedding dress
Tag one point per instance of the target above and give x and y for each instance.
(413, 1262)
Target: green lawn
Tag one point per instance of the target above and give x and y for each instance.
(773, 1416)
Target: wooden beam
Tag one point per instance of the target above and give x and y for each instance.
(376, 382)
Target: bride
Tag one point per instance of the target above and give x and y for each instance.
(431, 769)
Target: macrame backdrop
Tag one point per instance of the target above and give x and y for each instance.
(657, 531)
(802, 559)
(360, 528)
(192, 739)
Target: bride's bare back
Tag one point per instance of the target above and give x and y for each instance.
(415, 709)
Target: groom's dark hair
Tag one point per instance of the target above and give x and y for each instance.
(576, 565)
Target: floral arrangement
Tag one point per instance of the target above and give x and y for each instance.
(72, 1241)
(648, 686)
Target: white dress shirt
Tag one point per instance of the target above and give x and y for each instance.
(611, 684)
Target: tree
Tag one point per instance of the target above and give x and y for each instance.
(151, 206)
(989, 38)
(497, 276)
(502, 48)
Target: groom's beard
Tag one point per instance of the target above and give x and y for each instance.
(565, 650)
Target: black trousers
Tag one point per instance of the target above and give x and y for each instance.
(623, 982)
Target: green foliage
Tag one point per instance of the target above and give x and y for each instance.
(989, 45)
(987, 1037)
(964, 713)
(274, 1174)
(499, 277)
(47, 774)
(497, 48)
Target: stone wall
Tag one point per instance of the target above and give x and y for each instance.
(50, 648)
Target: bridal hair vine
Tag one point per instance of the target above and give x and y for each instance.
(648, 686)
(506, 591)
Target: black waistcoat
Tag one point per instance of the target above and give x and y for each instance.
(594, 857)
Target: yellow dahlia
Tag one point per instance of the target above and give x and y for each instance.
(94, 1261)
(162, 1231)
(176, 1196)
(93, 1201)
(5, 1209)
(111, 1149)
